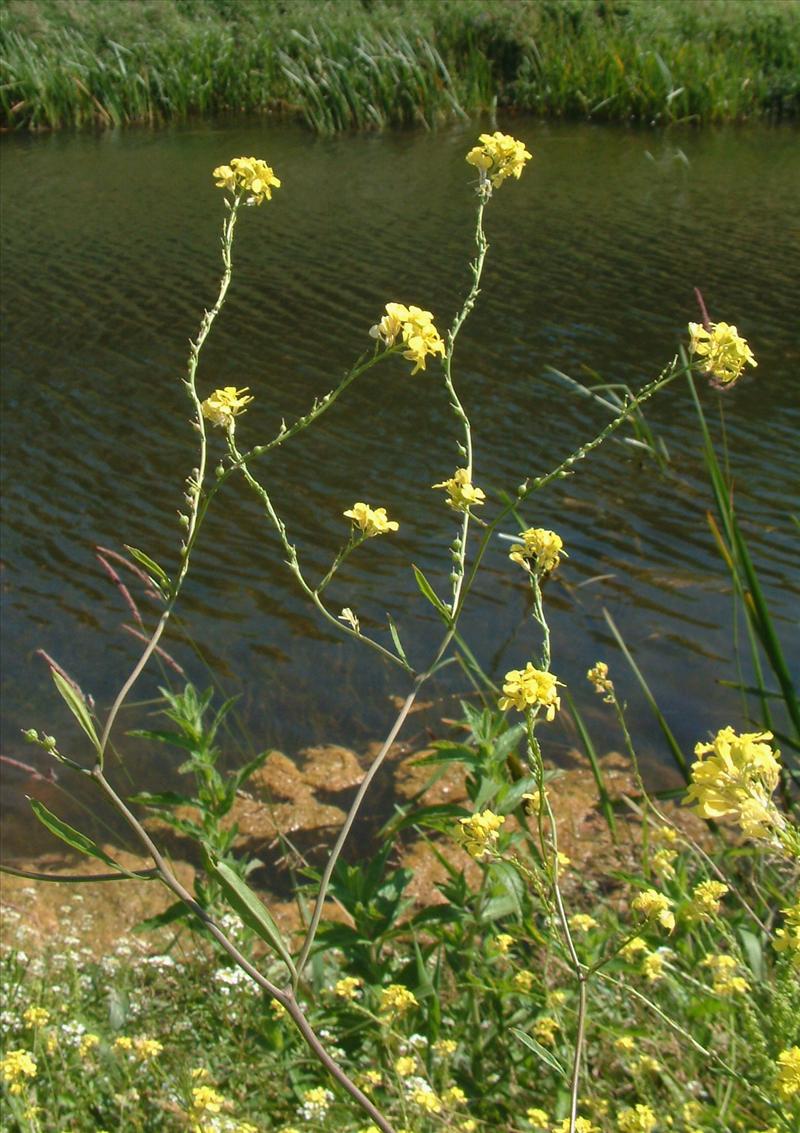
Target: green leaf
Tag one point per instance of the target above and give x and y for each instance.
(157, 574)
(77, 706)
(175, 912)
(250, 907)
(167, 799)
(174, 739)
(539, 1050)
(428, 592)
(439, 817)
(401, 653)
(510, 880)
(71, 836)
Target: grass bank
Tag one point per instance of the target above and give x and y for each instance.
(360, 64)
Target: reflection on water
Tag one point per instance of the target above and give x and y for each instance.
(110, 246)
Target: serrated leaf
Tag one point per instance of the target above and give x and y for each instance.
(428, 592)
(158, 575)
(71, 836)
(250, 907)
(77, 706)
(539, 1050)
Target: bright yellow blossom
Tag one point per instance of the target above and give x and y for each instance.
(661, 862)
(640, 1119)
(16, 1067)
(347, 987)
(537, 1117)
(582, 1125)
(396, 1000)
(722, 973)
(706, 897)
(445, 1047)
(737, 781)
(147, 1048)
(630, 950)
(417, 330)
(503, 942)
(655, 907)
(405, 1065)
(653, 967)
(598, 677)
(497, 157)
(454, 1095)
(524, 980)
(625, 1044)
(249, 175)
(530, 688)
(582, 922)
(36, 1016)
(123, 1043)
(646, 1065)
(425, 1099)
(788, 1077)
(723, 350)
(225, 404)
(540, 550)
(370, 521)
(87, 1043)
(461, 492)
(545, 1030)
(478, 834)
(787, 939)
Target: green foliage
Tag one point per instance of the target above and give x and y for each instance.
(350, 65)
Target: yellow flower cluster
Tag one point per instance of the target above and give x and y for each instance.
(497, 157)
(445, 1047)
(370, 521)
(787, 939)
(247, 175)
(737, 781)
(545, 1029)
(724, 351)
(461, 492)
(582, 922)
(347, 987)
(36, 1016)
(537, 1117)
(524, 980)
(598, 677)
(142, 1046)
(653, 967)
(225, 404)
(540, 550)
(416, 328)
(706, 897)
(530, 688)
(661, 862)
(396, 1000)
(724, 981)
(478, 834)
(582, 1125)
(788, 1079)
(503, 942)
(654, 906)
(425, 1099)
(16, 1067)
(405, 1065)
(640, 1119)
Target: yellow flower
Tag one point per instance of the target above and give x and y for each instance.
(706, 897)
(370, 521)
(396, 1000)
(543, 547)
(787, 939)
(478, 834)
(405, 1066)
(503, 942)
(87, 1043)
(653, 967)
(655, 907)
(425, 1099)
(445, 1047)
(598, 677)
(545, 1030)
(497, 157)
(123, 1043)
(250, 175)
(640, 1119)
(530, 688)
(537, 1117)
(206, 1102)
(646, 1065)
(724, 981)
(788, 1079)
(723, 350)
(347, 987)
(416, 328)
(737, 781)
(582, 922)
(661, 862)
(461, 492)
(16, 1067)
(625, 1044)
(582, 1125)
(454, 1096)
(147, 1048)
(225, 404)
(36, 1016)
(562, 861)
(469, 1125)
(524, 980)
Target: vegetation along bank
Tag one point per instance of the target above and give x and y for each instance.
(367, 64)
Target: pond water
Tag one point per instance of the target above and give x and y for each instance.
(110, 246)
